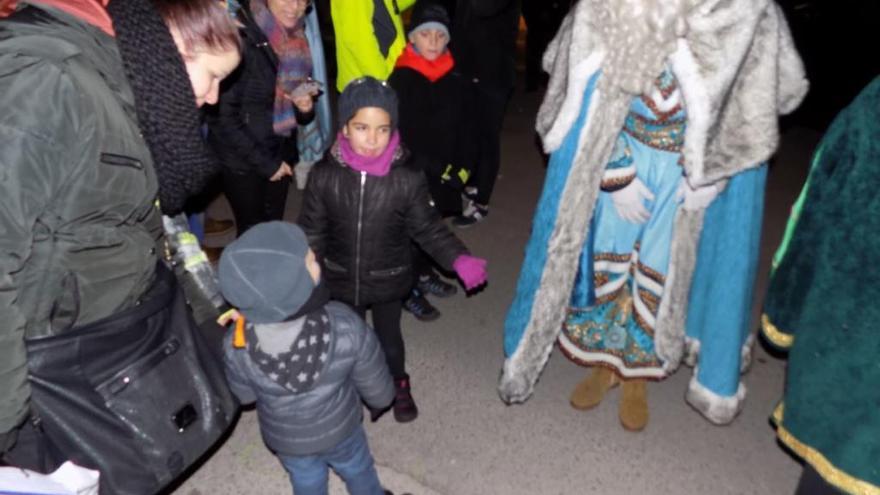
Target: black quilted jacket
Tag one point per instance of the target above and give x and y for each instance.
(361, 226)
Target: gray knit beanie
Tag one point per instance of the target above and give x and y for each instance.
(367, 92)
(263, 272)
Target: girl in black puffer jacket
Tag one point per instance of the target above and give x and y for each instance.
(363, 205)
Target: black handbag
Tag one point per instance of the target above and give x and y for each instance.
(139, 396)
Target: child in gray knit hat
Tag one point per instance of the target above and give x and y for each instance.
(305, 361)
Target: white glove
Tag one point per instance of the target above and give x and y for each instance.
(692, 199)
(629, 202)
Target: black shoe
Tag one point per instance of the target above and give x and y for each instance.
(433, 285)
(405, 409)
(420, 307)
(472, 214)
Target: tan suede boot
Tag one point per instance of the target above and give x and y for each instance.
(590, 392)
(634, 404)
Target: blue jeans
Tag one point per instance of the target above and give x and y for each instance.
(350, 458)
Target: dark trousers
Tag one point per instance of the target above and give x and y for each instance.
(812, 483)
(492, 103)
(386, 324)
(254, 199)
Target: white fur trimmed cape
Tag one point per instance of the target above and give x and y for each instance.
(737, 70)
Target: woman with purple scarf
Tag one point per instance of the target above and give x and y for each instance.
(253, 129)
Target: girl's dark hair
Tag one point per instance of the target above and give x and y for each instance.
(202, 24)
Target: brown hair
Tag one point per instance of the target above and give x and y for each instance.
(202, 24)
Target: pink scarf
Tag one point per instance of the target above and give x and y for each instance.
(378, 166)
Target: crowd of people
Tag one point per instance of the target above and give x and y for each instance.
(643, 207)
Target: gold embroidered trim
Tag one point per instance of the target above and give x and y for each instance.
(831, 473)
(617, 258)
(651, 301)
(617, 182)
(774, 335)
(652, 274)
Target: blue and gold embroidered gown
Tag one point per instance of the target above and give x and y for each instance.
(620, 283)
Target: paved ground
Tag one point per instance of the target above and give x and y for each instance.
(467, 442)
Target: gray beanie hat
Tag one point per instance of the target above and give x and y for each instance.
(428, 15)
(263, 273)
(367, 92)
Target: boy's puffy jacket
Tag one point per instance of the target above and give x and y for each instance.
(317, 419)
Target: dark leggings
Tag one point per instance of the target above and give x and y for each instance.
(386, 323)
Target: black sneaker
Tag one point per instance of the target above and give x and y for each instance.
(420, 307)
(472, 214)
(405, 409)
(433, 285)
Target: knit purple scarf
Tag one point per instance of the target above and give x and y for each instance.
(378, 166)
(294, 63)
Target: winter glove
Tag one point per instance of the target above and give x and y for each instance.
(629, 202)
(693, 199)
(471, 270)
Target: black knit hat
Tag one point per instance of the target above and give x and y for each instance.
(367, 92)
(428, 15)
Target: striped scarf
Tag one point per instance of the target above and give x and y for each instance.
(295, 63)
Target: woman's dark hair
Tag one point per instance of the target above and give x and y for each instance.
(202, 24)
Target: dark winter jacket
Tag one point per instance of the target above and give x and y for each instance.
(434, 123)
(361, 226)
(78, 222)
(484, 40)
(313, 421)
(240, 126)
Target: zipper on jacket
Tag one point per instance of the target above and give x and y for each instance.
(357, 256)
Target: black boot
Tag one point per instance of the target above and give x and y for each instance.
(405, 409)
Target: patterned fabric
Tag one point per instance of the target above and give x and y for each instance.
(295, 63)
(299, 366)
(664, 125)
(629, 261)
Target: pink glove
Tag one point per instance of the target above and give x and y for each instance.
(471, 270)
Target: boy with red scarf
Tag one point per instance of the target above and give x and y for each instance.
(433, 98)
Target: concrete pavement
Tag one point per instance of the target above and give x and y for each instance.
(467, 442)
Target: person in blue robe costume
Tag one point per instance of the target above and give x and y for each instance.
(641, 241)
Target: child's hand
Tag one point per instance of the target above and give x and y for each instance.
(228, 317)
(471, 270)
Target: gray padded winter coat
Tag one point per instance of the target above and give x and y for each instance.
(314, 421)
